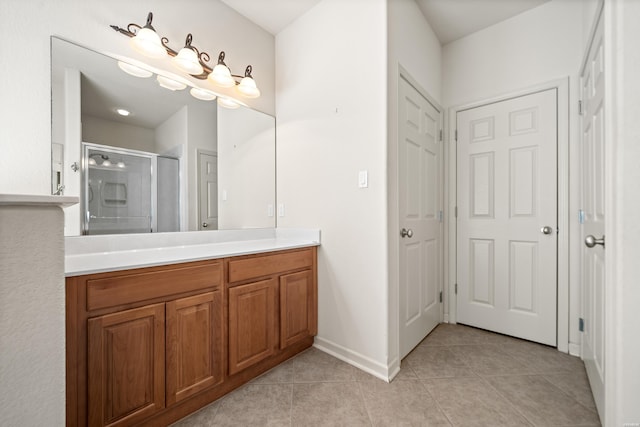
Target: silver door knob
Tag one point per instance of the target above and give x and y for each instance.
(546, 230)
(406, 233)
(591, 241)
(205, 225)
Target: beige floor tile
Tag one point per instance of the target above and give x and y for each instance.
(402, 403)
(543, 359)
(448, 334)
(575, 385)
(316, 366)
(328, 404)
(541, 402)
(281, 374)
(490, 360)
(472, 402)
(436, 362)
(256, 405)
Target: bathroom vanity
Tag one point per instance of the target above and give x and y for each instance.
(151, 340)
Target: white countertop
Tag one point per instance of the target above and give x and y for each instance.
(37, 200)
(96, 254)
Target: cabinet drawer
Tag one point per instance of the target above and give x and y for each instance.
(265, 265)
(117, 289)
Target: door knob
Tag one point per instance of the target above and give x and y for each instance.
(591, 241)
(205, 225)
(406, 233)
(546, 230)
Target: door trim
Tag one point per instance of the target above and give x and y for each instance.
(563, 312)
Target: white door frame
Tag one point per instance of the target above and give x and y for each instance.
(562, 85)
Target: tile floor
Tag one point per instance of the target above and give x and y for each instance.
(457, 376)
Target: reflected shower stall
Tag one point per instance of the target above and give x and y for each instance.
(129, 191)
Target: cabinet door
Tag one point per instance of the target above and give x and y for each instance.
(297, 307)
(126, 366)
(252, 320)
(194, 345)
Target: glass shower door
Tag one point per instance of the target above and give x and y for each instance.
(118, 191)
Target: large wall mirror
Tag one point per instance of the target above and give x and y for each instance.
(173, 163)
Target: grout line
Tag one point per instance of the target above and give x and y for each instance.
(506, 399)
(364, 402)
(437, 403)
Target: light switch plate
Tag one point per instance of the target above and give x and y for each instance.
(363, 179)
(281, 209)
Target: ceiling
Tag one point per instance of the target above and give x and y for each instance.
(450, 19)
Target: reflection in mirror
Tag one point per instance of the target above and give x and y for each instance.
(223, 161)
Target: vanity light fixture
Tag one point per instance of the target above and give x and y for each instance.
(227, 103)
(170, 84)
(146, 41)
(202, 94)
(134, 70)
(189, 59)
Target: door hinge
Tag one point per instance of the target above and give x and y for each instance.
(440, 296)
(456, 289)
(456, 134)
(456, 212)
(440, 216)
(581, 324)
(581, 216)
(440, 135)
(580, 107)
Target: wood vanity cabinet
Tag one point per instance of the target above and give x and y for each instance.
(272, 305)
(148, 346)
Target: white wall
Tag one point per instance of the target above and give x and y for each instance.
(331, 123)
(538, 46)
(413, 45)
(108, 132)
(622, 229)
(25, 118)
(32, 334)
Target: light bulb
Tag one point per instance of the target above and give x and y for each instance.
(203, 94)
(187, 61)
(228, 103)
(92, 161)
(170, 84)
(148, 43)
(248, 88)
(120, 164)
(221, 76)
(134, 70)
(107, 162)
(123, 112)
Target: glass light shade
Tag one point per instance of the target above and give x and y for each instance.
(187, 61)
(203, 94)
(120, 164)
(221, 76)
(248, 88)
(107, 163)
(134, 70)
(92, 161)
(148, 43)
(228, 103)
(170, 84)
(123, 112)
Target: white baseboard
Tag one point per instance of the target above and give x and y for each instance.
(364, 363)
(575, 350)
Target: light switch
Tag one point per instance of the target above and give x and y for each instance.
(281, 209)
(363, 179)
(224, 195)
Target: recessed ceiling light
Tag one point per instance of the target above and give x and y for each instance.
(123, 112)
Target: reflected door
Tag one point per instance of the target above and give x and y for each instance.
(507, 216)
(208, 188)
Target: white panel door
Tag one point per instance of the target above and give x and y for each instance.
(208, 186)
(420, 204)
(593, 214)
(507, 195)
